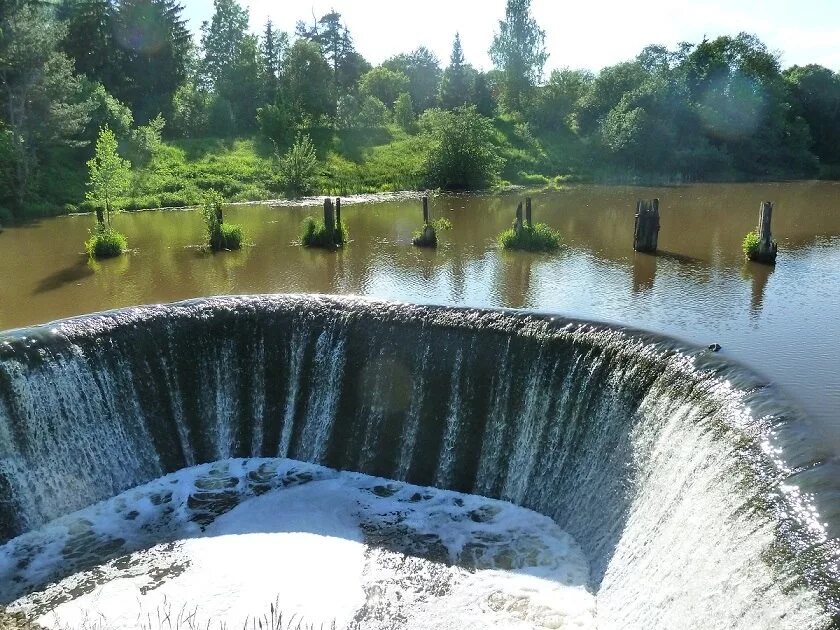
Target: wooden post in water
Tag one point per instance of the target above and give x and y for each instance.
(337, 211)
(100, 216)
(767, 247)
(425, 210)
(329, 219)
(428, 237)
(518, 225)
(646, 230)
(528, 212)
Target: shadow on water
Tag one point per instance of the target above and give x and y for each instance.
(62, 277)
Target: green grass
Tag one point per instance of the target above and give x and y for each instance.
(539, 238)
(314, 234)
(231, 236)
(750, 245)
(105, 242)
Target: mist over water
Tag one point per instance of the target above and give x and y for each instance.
(697, 494)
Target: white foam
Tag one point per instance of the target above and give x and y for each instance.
(342, 547)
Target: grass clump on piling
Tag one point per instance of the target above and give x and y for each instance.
(105, 242)
(314, 233)
(751, 245)
(427, 237)
(536, 238)
(220, 235)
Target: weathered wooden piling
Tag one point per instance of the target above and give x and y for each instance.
(428, 237)
(219, 216)
(528, 212)
(100, 216)
(646, 230)
(338, 211)
(517, 226)
(767, 247)
(329, 219)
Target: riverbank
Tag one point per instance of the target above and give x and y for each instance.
(351, 162)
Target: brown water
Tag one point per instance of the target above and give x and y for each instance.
(783, 322)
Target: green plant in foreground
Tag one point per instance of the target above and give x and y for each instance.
(537, 238)
(315, 234)
(750, 245)
(109, 173)
(220, 235)
(105, 242)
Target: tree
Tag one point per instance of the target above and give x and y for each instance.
(151, 55)
(518, 50)
(273, 47)
(815, 94)
(383, 84)
(298, 167)
(554, 104)
(42, 101)
(89, 39)
(306, 94)
(461, 155)
(404, 111)
(231, 67)
(455, 88)
(482, 96)
(422, 68)
(109, 174)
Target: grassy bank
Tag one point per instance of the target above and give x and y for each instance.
(351, 161)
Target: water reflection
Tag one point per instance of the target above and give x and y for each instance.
(693, 288)
(644, 272)
(758, 275)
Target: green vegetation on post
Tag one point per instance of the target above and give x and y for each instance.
(220, 235)
(314, 233)
(109, 176)
(750, 245)
(537, 238)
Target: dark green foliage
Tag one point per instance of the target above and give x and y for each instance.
(422, 68)
(315, 234)
(105, 242)
(537, 238)
(298, 168)
(816, 97)
(404, 112)
(461, 153)
(458, 79)
(383, 84)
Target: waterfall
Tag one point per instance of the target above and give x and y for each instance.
(685, 478)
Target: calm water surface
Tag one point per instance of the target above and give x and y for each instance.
(783, 322)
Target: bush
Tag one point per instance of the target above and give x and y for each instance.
(750, 245)
(314, 234)
(299, 168)
(220, 235)
(105, 242)
(539, 238)
(461, 155)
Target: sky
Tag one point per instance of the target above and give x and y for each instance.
(587, 34)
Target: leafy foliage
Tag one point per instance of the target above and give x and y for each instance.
(299, 167)
(518, 51)
(109, 173)
(383, 84)
(220, 235)
(404, 112)
(105, 242)
(750, 245)
(314, 233)
(536, 238)
(461, 155)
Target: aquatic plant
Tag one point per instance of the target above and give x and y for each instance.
(427, 237)
(536, 238)
(105, 242)
(220, 235)
(315, 234)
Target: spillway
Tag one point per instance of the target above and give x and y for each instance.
(696, 492)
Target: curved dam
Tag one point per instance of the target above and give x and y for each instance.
(693, 489)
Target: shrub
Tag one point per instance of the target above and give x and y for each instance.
(539, 238)
(105, 242)
(299, 167)
(314, 234)
(220, 235)
(750, 245)
(461, 154)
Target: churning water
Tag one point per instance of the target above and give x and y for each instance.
(691, 489)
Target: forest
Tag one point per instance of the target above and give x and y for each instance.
(258, 116)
